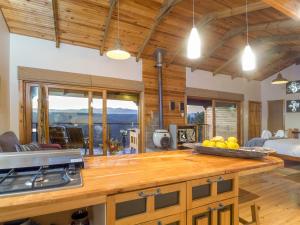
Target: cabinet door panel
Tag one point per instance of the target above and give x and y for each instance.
(166, 200)
(224, 217)
(146, 205)
(200, 216)
(131, 208)
(207, 190)
(227, 212)
(227, 186)
(200, 192)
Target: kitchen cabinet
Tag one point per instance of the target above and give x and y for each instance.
(146, 205)
(178, 219)
(218, 213)
(207, 190)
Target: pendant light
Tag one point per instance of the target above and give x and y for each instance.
(248, 56)
(194, 42)
(117, 52)
(279, 79)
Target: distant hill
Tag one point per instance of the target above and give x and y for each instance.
(98, 111)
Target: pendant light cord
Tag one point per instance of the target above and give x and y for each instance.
(118, 24)
(193, 13)
(247, 22)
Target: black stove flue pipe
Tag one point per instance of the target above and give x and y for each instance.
(159, 64)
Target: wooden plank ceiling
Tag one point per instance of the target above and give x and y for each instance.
(146, 25)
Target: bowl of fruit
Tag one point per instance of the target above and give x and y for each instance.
(230, 148)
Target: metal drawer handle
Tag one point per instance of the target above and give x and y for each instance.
(144, 195)
(220, 179)
(220, 206)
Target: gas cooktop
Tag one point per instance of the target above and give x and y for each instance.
(28, 172)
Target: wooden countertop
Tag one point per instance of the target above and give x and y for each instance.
(104, 176)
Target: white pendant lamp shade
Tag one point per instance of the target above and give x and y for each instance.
(194, 44)
(248, 59)
(117, 53)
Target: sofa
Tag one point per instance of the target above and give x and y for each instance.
(9, 143)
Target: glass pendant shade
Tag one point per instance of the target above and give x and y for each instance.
(279, 79)
(248, 59)
(117, 53)
(194, 44)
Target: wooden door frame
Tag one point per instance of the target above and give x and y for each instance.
(283, 112)
(25, 110)
(255, 102)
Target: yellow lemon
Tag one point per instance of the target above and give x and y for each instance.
(232, 139)
(218, 138)
(205, 143)
(233, 145)
(221, 145)
(211, 144)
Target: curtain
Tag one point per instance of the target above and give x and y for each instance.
(43, 133)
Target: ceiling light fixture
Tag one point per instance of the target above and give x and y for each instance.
(117, 52)
(248, 56)
(279, 79)
(194, 41)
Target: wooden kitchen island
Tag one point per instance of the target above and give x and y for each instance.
(174, 187)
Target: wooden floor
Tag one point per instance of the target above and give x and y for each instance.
(279, 197)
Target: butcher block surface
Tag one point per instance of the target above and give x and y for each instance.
(109, 175)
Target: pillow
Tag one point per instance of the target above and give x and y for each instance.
(27, 147)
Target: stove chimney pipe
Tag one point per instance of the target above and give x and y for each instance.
(159, 63)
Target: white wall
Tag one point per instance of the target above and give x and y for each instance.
(205, 80)
(38, 53)
(278, 92)
(4, 76)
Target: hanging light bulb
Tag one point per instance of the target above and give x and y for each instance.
(194, 41)
(248, 56)
(248, 59)
(117, 52)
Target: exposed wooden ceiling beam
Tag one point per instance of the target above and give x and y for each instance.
(290, 8)
(56, 25)
(107, 24)
(166, 8)
(261, 46)
(211, 17)
(287, 59)
(285, 24)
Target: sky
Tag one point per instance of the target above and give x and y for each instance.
(63, 103)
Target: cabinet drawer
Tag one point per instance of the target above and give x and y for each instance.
(207, 190)
(218, 213)
(146, 205)
(178, 219)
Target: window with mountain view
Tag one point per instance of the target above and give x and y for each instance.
(122, 116)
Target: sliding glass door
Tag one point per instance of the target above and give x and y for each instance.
(227, 119)
(68, 118)
(214, 117)
(122, 117)
(98, 122)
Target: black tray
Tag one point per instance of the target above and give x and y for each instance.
(248, 153)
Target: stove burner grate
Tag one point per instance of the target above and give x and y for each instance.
(24, 181)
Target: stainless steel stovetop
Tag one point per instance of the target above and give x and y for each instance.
(28, 172)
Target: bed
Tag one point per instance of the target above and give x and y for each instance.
(288, 149)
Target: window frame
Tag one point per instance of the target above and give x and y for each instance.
(25, 110)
